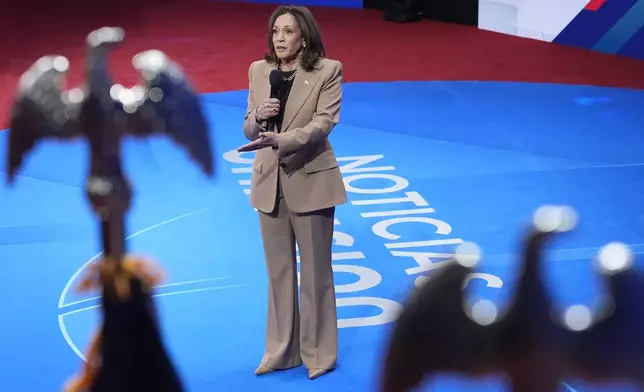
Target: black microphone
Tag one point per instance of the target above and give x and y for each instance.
(277, 87)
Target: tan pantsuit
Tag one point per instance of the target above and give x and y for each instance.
(306, 172)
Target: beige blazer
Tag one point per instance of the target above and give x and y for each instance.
(309, 172)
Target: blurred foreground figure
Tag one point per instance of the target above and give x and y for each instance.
(127, 353)
(610, 345)
(438, 332)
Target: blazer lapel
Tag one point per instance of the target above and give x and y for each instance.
(303, 85)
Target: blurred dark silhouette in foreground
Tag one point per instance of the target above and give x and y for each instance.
(438, 332)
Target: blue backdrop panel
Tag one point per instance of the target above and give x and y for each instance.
(590, 26)
(635, 46)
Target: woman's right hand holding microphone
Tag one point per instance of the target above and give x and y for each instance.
(270, 108)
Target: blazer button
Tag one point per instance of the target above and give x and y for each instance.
(283, 165)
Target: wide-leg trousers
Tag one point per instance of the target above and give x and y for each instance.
(303, 331)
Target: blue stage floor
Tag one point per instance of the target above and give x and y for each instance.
(477, 158)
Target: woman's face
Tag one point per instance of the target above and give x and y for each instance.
(287, 37)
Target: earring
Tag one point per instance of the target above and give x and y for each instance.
(304, 44)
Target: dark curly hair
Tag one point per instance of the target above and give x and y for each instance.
(314, 49)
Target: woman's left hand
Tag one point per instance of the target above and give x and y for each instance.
(269, 138)
(266, 139)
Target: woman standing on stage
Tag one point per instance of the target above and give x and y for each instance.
(295, 186)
